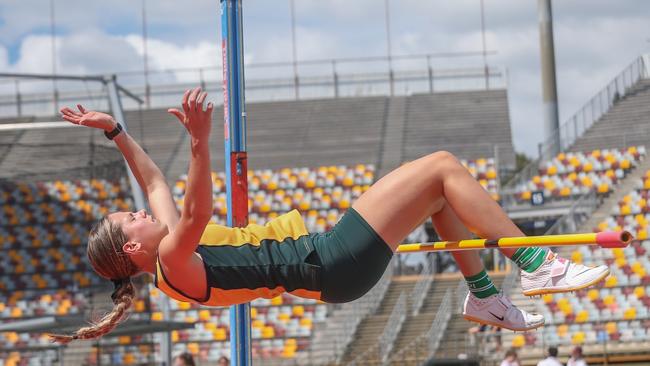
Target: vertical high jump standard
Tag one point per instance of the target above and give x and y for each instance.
(234, 114)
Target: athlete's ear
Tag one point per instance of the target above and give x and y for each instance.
(131, 247)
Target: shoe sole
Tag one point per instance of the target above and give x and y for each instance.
(545, 291)
(487, 322)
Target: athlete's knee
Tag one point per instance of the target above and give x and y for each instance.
(444, 162)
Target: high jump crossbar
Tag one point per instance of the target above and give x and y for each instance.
(605, 239)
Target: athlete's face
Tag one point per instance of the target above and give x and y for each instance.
(142, 229)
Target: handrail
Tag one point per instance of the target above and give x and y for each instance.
(393, 327)
(576, 125)
(460, 294)
(421, 288)
(439, 324)
(386, 340)
(430, 338)
(579, 212)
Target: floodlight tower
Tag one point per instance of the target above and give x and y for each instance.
(551, 145)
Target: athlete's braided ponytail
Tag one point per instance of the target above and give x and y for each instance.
(122, 298)
(109, 261)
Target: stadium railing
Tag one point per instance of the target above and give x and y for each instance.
(576, 125)
(421, 287)
(579, 212)
(425, 346)
(386, 340)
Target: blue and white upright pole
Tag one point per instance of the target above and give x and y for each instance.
(234, 114)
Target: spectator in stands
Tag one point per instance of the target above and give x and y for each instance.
(184, 359)
(551, 359)
(233, 265)
(223, 361)
(576, 358)
(511, 358)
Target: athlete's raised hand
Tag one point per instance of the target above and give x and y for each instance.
(87, 118)
(194, 117)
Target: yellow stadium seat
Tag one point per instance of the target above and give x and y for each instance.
(611, 327)
(576, 256)
(518, 341)
(276, 301)
(298, 310)
(603, 188)
(578, 338)
(306, 322)
(124, 340)
(547, 298)
(639, 291)
(611, 281)
(257, 324)
(253, 313)
(629, 314)
(139, 306)
(175, 336)
(526, 195)
(283, 317)
(626, 210)
(289, 352)
(204, 315)
(268, 332)
(157, 316)
(593, 294)
(609, 300)
(219, 334)
(582, 316)
(562, 330)
(193, 348)
(626, 164)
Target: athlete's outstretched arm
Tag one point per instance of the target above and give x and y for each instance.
(149, 177)
(179, 245)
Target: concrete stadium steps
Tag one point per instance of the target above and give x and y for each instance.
(415, 326)
(468, 124)
(372, 327)
(456, 339)
(628, 116)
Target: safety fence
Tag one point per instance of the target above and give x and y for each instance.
(269, 81)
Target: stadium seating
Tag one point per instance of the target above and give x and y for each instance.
(618, 310)
(45, 226)
(575, 173)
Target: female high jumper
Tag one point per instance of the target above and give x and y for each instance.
(196, 261)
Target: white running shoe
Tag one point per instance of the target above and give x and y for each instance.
(497, 310)
(560, 275)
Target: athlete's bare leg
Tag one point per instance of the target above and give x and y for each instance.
(405, 197)
(449, 227)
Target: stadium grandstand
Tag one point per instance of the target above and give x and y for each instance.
(317, 155)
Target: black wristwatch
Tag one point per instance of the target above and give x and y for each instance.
(116, 131)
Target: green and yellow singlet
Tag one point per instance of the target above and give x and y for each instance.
(242, 264)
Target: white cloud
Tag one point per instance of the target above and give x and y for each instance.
(595, 39)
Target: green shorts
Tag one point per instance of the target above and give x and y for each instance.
(352, 257)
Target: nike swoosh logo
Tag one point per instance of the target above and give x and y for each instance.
(498, 317)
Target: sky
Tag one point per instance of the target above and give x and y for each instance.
(594, 39)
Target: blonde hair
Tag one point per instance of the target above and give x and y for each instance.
(109, 261)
